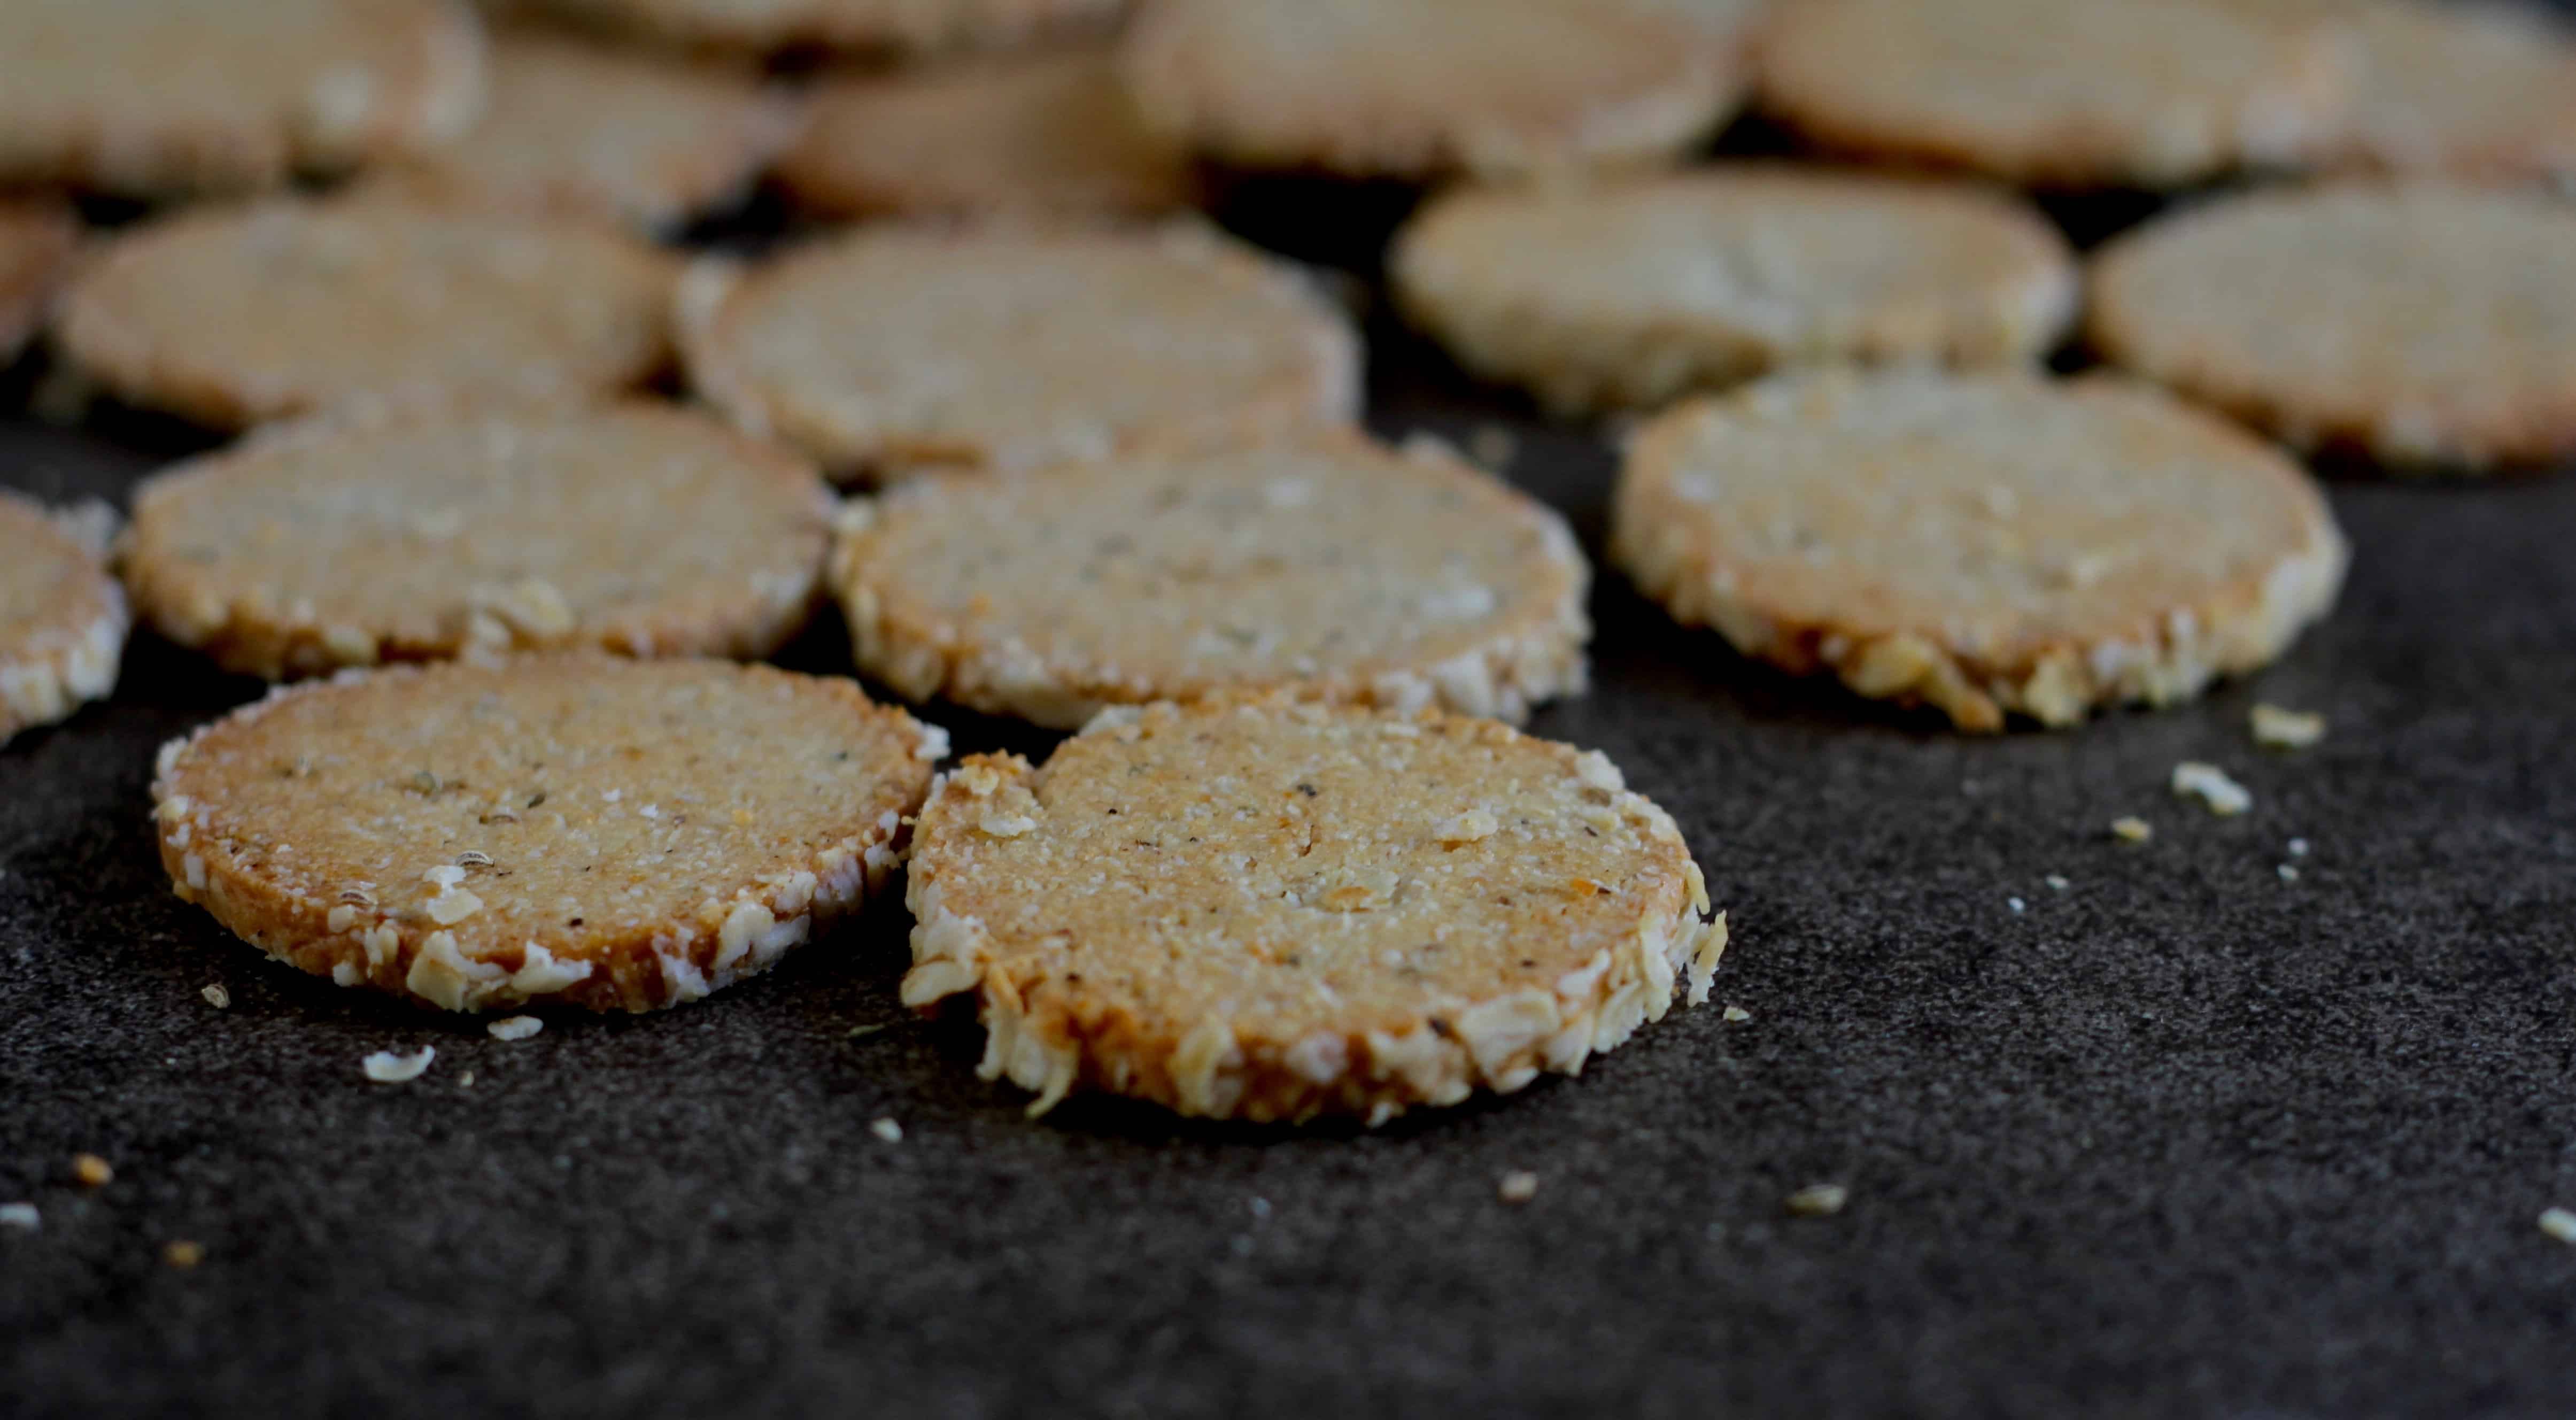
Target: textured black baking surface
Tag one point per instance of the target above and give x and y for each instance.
(2181, 1138)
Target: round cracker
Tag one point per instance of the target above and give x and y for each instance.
(909, 26)
(579, 130)
(2425, 323)
(1634, 292)
(2076, 92)
(1043, 133)
(1277, 910)
(155, 96)
(37, 239)
(895, 349)
(1983, 543)
(232, 317)
(639, 529)
(1328, 564)
(62, 617)
(2480, 90)
(582, 830)
(1419, 88)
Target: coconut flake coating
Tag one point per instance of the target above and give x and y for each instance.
(62, 618)
(1984, 543)
(159, 96)
(636, 528)
(2427, 323)
(1633, 292)
(580, 830)
(1277, 910)
(1328, 563)
(2147, 93)
(894, 349)
(576, 129)
(1042, 133)
(234, 316)
(1421, 88)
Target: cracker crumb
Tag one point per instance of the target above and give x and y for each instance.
(465, 1081)
(514, 1027)
(1493, 446)
(2559, 1223)
(183, 1254)
(1736, 1013)
(2277, 728)
(2017, 905)
(887, 1130)
(2132, 829)
(1819, 1200)
(2298, 847)
(2288, 874)
(2056, 883)
(20, 1215)
(217, 997)
(1472, 826)
(858, 1031)
(91, 1171)
(2210, 784)
(1518, 1186)
(386, 1068)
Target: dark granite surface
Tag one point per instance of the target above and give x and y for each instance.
(2181, 1138)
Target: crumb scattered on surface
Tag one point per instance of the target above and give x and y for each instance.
(91, 1171)
(217, 997)
(183, 1254)
(386, 1068)
(2288, 874)
(2277, 728)
(2298, 847)
(858, 1031)
(465, 1081)
(1518, 1186)
(887, 1130)
(2056, 883)
(20, 1215)
(1737, 1013)
(1819, 1200)
(2559, 1223)
(2017, 905)
(1493, 446)
(2210, 784)
(515, 1027)
(2132, 829)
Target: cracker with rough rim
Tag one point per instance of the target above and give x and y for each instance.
(578, 830)
(1276, 910)
(161, 96)
(635, 528)
(2144, 93)
(1631, 293)
(896, 349)
(1984, 544)
(62, 617)
(1041, 133)
(1328, 564)
(1423, 88)
(236, 316)
(580, 130)
(2427, 324)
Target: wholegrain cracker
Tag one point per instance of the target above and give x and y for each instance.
(1631, 293)
(578, 830)
(1985, 543)
(636, 528)
(1252, 908)
(1328, 563)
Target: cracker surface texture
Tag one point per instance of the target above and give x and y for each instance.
(37, 240)
(1328, 563)
(156, 97)
(897, 349)
(62, 617)
(237, 316)
(1630, 293)
(577, 830)
(909, 27)
(2428, 325)
(1031, 134)
(2145, 93)
(635, 528)
(1421, 88)
(576, 129)
(1273, 911)
(1985, 544)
